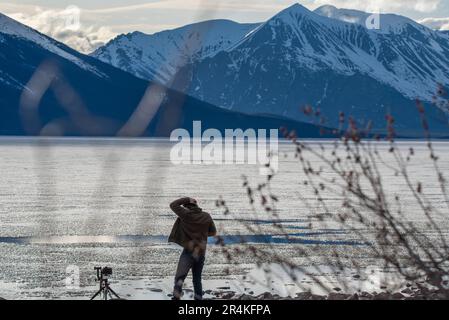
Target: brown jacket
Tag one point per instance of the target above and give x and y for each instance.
(192, 227)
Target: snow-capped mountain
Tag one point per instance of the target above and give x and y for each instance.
(14, 28)
(328, 59)
(388, 23)
(301, 57)
(68, 93)
(101, 89)
(408, 56)
(159, 56)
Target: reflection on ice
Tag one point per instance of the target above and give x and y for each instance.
(293, 238)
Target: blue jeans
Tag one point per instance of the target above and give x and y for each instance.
(189, 261)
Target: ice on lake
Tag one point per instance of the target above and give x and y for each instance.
(88, 202)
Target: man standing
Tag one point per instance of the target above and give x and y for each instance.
(190, 231)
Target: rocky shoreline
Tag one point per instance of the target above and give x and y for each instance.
(409, 293)
(406, 294)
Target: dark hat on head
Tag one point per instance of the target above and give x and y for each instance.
(193, 204)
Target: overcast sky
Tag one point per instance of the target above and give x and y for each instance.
(101, 20)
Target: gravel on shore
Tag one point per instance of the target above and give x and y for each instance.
(409, 293)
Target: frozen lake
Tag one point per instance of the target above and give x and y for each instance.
(89, 202)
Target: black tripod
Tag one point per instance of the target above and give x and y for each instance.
(105, 289)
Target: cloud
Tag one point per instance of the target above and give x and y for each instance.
(201, 5)
(436, 23)
(101, 22)
(271, 6)
(67, 26)
(384, 6)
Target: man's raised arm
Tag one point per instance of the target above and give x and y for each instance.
(177, 207)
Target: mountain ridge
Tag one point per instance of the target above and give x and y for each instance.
(43, 93)
(409, 58)
(16, 29)
(388, 21)
(170, 49)
(294, 59)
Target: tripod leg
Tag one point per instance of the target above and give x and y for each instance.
(95, 295)
(113, 292)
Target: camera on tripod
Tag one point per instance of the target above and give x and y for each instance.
(102, 273)
(105, 291)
